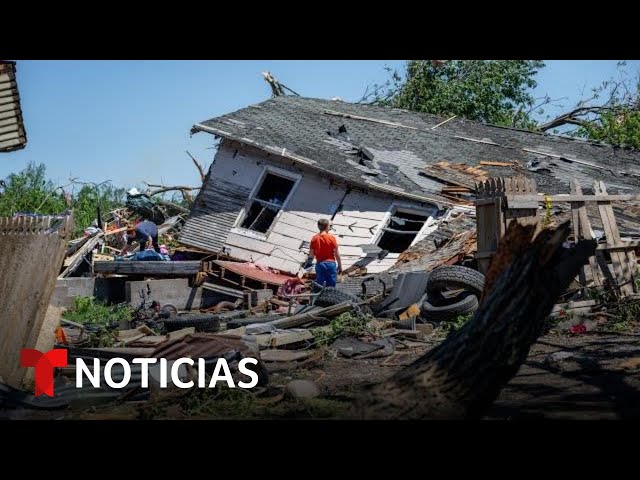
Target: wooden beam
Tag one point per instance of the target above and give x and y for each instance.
(623, 262)
(148, 268)
(583, 231)
(304, 318)
(232, 292)
(75, 259)
(573, 198)
(620, 246)
(491, 163)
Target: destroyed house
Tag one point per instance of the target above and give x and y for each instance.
(12, 132)
(382, 175)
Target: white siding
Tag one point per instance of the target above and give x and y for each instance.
(357, 223)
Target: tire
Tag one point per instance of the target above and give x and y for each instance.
(168, 311)
(202, 323)
(454, 277)
(467, 304)
(332, 296)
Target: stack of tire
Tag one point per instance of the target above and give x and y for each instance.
(440, 306)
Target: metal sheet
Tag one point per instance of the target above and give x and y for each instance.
(249, 270)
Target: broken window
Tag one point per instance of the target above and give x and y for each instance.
(267, 202)
(401, 231)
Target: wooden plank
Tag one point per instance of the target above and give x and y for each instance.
(572, 198)
(278, 339)
(488, 231)
(178, 334)
(232, 292)
(620, 246)
(30, 262)
(276, 355)
(75, 259)
(303, 318)
(623, 266)
(575, 221)
(584, 232)
(148, 268)
(492, 163)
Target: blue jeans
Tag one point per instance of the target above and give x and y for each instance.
(327, 272)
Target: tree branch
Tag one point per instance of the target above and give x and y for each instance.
(198, 166)
(164, 189)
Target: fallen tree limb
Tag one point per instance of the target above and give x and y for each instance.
(462, 377)
(175, 206)
(198, 166)
(174, 188)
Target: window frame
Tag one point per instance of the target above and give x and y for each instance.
(279, 172)
(405, 208)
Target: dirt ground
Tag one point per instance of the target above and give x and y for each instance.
(593, 375)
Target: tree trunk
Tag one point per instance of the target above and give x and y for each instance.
(462, 377)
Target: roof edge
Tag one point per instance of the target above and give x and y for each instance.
(438, 201)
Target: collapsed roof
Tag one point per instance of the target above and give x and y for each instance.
(415, 155)
(12, 132)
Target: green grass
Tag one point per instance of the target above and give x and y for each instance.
(626, 312)
(447, 328)
(221, 402)
(91, 310)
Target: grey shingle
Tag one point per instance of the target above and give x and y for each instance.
(301, 125)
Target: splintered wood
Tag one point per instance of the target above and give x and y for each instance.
(497, 206)
(502, 201)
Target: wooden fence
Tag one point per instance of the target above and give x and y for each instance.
(32, 251)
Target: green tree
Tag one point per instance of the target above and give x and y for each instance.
(500, 92)
(490, 91)
(29, 191)
(621, 127)
(611, 114)
(91, 196)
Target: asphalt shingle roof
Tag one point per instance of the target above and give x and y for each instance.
(389, 148)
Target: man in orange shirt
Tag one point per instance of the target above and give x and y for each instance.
(324, 248)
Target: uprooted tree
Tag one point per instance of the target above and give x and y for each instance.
(500, 92)
(462, 377)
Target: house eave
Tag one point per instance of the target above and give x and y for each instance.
(284, 153)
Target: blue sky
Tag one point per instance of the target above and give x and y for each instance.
(129, 121)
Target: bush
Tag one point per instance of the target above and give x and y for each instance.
(90, 310)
